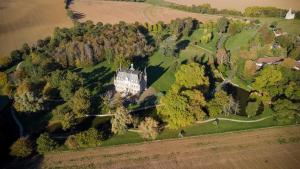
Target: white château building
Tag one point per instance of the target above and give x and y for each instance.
(130, 81)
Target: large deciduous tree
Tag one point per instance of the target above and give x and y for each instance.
(81, 102)
(121, 120)
(184, 102)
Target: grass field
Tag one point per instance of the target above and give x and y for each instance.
(273, 148)
(240, 40)
(27, 21)
(237, 5)
(105, 11)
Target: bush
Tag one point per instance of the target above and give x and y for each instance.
(5, 61)
(149, 128)
(45, 143)
(252, 108)
(21, 148)
(89, 138)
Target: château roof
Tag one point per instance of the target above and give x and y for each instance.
(131, 75)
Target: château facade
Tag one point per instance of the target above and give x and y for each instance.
(130, 81)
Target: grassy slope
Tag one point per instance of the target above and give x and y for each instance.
(240, 40)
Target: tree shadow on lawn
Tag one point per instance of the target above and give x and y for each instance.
(154, 73)
(182, 44)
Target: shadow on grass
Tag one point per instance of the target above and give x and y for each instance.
(154, 73)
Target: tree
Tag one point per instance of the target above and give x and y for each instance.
(175, 109)
(292, 91)
(121, 119)
(252, 108)
(218, 104)
(222, 25)
(149, 128)
(81, 102)
(169, 47)
(45, 143)
(196, 103)
(69, 85)
(68, 121)
(268, 83)
(191, 76)
(28, 102)
(88, 138)
(285, 111)
(21, 148)
(289, 63)
(3, 79)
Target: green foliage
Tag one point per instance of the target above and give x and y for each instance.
(252, 108)
(21, 148)
(28, 102)
(175, 110)
(191, 76)
(169, 47)
(28, 98)
(45, 143)
(292, 91)
(149, 128)
(81, 102)
(285, 111)
(257, 11)
(218, 104)
(222, 25)
(69, 85)
(184, 102)
(184, 27)
(268, 82)
(89, 138)
(121, 119)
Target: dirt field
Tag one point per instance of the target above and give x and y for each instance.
(241, 5)
(29, 20)
(113, 12)
(277, 148)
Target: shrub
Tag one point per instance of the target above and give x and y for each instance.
(45, 143)
(252, 109)
(149, 128)
(5, 61)
(89, 138)
(21, 148)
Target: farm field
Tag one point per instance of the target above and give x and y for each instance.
(130, 12)
(237, 5)
(272, 148)
(27, 21)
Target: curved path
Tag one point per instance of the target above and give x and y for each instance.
(234, 120)
(21, 129)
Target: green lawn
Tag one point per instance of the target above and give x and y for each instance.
(128, 137)
(211, 46)
(194, 130)
(289, 26)
(240, 40)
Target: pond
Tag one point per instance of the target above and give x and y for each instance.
(240, 95)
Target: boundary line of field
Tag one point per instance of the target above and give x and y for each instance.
(174, 139)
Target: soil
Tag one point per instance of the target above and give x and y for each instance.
(238, 5)
(270, 148)
(130, 12)
(26, 21)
